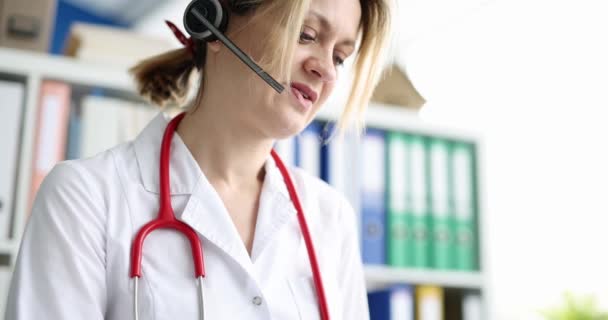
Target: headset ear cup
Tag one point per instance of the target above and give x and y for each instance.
(213, 10)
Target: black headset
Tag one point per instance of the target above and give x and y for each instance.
(207, 20)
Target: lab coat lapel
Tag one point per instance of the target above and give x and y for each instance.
(275, 209)
(183, 170)
(204, 211)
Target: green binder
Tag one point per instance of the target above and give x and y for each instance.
(399, 240)
(465, 206)
(420, 209)
(442, 222)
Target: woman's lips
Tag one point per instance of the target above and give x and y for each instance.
(301, 99)
(307, 92)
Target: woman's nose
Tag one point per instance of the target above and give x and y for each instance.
(322, 67)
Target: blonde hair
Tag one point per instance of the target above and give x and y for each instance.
(165, 79)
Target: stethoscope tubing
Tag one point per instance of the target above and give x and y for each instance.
(166, 220)
(312, 256)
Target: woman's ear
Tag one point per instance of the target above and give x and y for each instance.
(214, 46)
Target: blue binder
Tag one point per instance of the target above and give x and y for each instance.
(393, 303)
(373, 197)
(326, 152)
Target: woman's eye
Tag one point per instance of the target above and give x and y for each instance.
(338, 61)
(307, 35)
(306, 38)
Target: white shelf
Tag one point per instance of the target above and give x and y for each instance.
(376, 276)
(389, 117)
(9, 247)
(26, 63)
(398, 118)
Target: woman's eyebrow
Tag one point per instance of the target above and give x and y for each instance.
(325, 24)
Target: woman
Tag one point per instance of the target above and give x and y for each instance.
(75, 255)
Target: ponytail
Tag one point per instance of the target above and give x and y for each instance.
(165, 79)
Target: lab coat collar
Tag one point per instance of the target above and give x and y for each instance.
(275, 209)
(184, 172)
(207, 214)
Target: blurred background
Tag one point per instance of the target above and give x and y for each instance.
(480, 182)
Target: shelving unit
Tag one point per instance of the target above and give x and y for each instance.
(379, 275)
(8, 247)
(32, 69)
(31, 65)
(393, 118)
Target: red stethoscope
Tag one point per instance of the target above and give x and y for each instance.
(166, 220)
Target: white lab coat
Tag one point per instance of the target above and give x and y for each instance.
(74, 258)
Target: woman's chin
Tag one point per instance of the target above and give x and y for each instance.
(288, 126)
(288, 119)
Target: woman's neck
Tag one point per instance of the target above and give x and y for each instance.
(232, 157)
(227, 152)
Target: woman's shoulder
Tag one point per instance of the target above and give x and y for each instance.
(95, 172)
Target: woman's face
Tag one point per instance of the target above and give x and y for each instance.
(326, 40)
